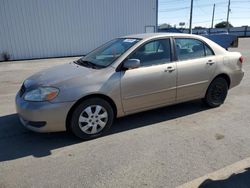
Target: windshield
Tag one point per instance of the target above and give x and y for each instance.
(109, 52)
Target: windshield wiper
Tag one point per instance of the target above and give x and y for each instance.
(88, 64)
(84, 63)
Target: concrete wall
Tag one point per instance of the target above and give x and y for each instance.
(54, 28)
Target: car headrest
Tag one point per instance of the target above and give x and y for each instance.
(197, 48)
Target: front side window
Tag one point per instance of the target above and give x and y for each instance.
(189, 48)
(109, 52)
(153, 53)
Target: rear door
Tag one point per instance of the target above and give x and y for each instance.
(196, 64)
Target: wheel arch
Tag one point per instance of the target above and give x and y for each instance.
(102, 96)
(225, 76)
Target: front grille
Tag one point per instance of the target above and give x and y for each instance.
(22, 90)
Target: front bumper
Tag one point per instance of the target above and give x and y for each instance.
(43, 116)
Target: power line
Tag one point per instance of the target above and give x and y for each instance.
(248, 8)
(173, 9)
(220, 7)
(199, 7)
(170, 1)
(207, 21)
(182, 8)
(245, 18)
(218, 3)
(240, 1)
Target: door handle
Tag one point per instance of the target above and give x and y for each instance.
(169, 69)
(210, 62)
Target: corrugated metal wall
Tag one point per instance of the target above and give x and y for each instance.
(53, 28)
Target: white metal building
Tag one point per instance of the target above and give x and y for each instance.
(54, 28)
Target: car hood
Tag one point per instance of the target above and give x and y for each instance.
(58, 75)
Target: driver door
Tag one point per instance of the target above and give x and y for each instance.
(153, 84)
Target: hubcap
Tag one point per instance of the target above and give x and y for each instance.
(93, 119)
(218, 93)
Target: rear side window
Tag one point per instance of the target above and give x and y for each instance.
(188, 48)
(153, 53)
(208, 51)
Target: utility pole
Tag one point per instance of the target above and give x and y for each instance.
(191, 17)
(228, 10)
(212, 25)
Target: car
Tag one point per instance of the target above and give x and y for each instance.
(124, 76)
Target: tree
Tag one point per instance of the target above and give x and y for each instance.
(164, 26)
(223, 25)
(199, 27)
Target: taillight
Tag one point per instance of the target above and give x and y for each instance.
(241, 59)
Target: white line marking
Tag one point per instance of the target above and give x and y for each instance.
(220, 174)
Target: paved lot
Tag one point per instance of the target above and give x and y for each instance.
(161, 148)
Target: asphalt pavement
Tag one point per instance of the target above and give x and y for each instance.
(166, 147)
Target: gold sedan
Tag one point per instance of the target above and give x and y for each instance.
(125, 76)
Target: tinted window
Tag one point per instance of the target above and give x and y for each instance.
(208, 51)
(189, 49)
(153, 53)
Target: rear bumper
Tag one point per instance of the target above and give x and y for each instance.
(236, 78)
(42, 116)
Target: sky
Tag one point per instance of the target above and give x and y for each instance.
(175, 11)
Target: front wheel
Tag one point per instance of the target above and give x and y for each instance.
(216, 92)
(91, 118)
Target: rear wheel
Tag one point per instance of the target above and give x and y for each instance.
(216, 92)
(91, 118)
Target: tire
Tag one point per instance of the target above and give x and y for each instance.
(91, 118)
(216, 92)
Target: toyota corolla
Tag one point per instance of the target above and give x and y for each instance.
(125, 76)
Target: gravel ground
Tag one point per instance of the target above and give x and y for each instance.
(160, 148)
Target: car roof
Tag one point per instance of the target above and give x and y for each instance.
(148, 36)
(156, 35)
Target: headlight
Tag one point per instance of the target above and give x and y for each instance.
(41, 94)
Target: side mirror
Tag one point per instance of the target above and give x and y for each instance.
(131, 64)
